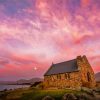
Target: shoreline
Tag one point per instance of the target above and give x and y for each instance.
(36, 94)
(15, 84)
(8, 87)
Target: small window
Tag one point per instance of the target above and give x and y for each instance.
(88, 76)
(67, 76)
(58, 76)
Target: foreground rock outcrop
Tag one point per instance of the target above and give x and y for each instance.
(48, 98)
(86, 95)
(70, 96)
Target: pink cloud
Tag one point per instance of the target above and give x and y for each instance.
(85, 2)
(46, 32)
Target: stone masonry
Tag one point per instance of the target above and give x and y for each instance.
(82, 77)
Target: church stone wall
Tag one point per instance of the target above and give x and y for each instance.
(84, 77)
(64, 82)
(87, 74)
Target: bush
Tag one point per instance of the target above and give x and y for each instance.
(35, 84)
(41, 86)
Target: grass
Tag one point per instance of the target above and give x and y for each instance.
(39, 94)
(36, 94)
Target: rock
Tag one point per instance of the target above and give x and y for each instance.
(84, 96)
(48, 98)
(5, 90)
(85, 89)
(69, 97)
(97, 90)
(88, 91)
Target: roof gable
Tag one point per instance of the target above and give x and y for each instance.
(63, 67)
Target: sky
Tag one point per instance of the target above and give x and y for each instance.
(35, 33)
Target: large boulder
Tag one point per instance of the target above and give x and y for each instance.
(69, 96)
(88, 91)
(48, 98)
(84, 96)
(97, 90)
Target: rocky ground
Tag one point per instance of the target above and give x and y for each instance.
(39, 94)
(86, 95)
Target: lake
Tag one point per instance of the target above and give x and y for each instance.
(8, 87)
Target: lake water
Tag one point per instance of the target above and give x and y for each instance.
(8, 87)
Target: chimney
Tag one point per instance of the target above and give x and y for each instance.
(79, 58)
(84, 58)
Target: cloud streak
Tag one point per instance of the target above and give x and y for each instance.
(37, 32)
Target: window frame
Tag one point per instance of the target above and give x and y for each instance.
(67, 75)
(88, 76)
(58, 76)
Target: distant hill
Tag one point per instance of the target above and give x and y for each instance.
(33, 80)
(97, 77)
(22, 81)
(30, 81)
(7, 82)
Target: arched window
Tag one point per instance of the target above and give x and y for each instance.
(88, 76)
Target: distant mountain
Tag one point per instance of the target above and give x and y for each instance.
(97, 77)
(30, 81)
(35, 80)
(22, 81)
(7, 82)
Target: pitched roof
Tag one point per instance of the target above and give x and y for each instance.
(63, 67)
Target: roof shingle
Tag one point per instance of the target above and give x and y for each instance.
(63, 67)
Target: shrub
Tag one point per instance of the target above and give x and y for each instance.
(35, 84)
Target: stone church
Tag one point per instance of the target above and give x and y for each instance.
(74, 73)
